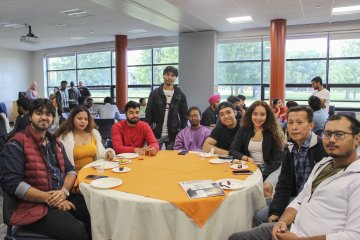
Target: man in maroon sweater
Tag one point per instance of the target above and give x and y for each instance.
(130, 135)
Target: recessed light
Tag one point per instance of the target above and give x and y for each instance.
(74, 12)
(346, 10)
(244, 19)
(92, 32)
(60, 25)
(137, 31)
(11, 25)
(317, 7)
(78, 38)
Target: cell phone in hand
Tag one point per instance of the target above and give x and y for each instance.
(93, 177)
(183, 152)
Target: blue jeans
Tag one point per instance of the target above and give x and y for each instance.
(261, 216)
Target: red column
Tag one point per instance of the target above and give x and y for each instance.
(277, 59)
(121, 70)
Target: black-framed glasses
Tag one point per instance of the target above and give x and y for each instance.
(337, 134)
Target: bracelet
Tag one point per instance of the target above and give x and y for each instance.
(281, 222)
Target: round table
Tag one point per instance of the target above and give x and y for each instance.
(116, 214)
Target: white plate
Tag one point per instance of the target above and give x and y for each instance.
(231, 184)
(106, 182)
(128, 155)
(206, 155)
(125, 161)
(217, 161)
(107, 165)
(236, 166)
(126, 169)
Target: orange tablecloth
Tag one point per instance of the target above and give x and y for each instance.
(159, 176)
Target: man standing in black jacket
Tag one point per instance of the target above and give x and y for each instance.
(166, 111)
(298, 162)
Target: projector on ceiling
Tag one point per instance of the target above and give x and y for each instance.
(30, 38)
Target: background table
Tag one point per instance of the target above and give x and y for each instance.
(120, 215)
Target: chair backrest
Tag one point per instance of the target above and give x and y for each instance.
(9, 206)
(351, 114)
(104, 127)
(331, 110)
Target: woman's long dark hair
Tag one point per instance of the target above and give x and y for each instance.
(69, 126)
(271, 124)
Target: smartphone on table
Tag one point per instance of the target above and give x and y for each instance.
(183, 152)
(93, 177)
(242, 172)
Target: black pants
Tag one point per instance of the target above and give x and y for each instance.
(65, 225)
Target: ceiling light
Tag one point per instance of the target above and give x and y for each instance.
(12, 25)
(74, 12)
(244, 19)
(137, 31)
(346, 10)
(61, 25)
(78, 38)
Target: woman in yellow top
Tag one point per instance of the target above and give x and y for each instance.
(81, 140)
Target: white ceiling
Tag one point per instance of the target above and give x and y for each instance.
(108, 18)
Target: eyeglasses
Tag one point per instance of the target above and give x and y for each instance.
(337, 135)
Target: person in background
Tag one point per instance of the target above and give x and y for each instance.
(40, 177)
(55, 90)
(223, 134)
(242, 101)
(62, 99)
(209, 116)
(23, 119)
(109, 110)
(236, 101)
(279, 110)
(81, 100)
(194, 136)
(84, 91)
(327, 206)
(321, 92)
(166, 111)
(305, 150)
(31, 93)
(130, 135)
(260, 141)
(6, 120)
(289, 104)
(320, 115)
(74, 95)
(82, 142)
(142, 102)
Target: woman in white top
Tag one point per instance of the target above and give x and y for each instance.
(260, 140)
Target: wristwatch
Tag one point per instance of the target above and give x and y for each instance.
(66, 192)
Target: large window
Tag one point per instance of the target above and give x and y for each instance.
(240, 69)
(97, 70)
(244, 67)
(145, 69)
(94, 68)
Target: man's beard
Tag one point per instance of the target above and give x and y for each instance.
(133, 120)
